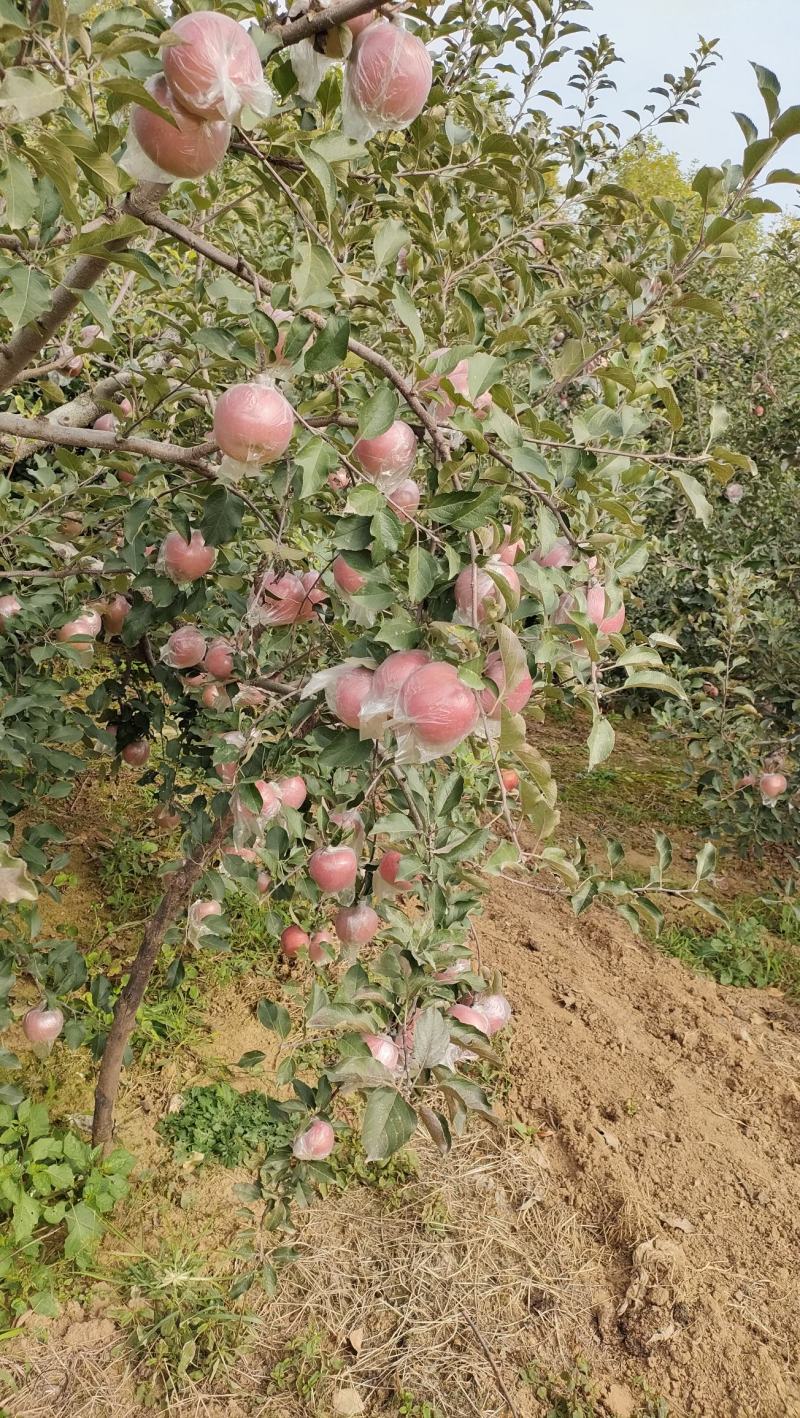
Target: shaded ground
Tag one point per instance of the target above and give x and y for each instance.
(642, 1211)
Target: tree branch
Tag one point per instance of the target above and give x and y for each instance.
(317, 21)
(173, 903)
(238, 266)
(84, 273)
(78, 413)
(41, 431)
(539, 493)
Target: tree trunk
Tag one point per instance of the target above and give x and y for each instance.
(175, 900)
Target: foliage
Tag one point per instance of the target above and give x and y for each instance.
(741, 953)
(225, 1126)
(574, 1394)
(728, 591)
(126, 872)
(569, 303)
(307, 1361)
(55, 1195)
(180, 1322)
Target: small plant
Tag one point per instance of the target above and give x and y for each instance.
(573, 1394)
(226, 1126)
(411, 1407)
(55, 1191)
(182, 1324)
(306, 1362)
(130, 883)
(740, 953)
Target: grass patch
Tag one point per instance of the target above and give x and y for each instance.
(182, 1325)
(743, 953)
(225, 1126)
(574, 1394)
(128, 873)
(631, 796)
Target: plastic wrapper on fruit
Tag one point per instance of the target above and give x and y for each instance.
(388, 78)
(286, 600)
(214, 68)
(388, 680)
(435, 712)
(199, 912)
(158, 151)
(345, 687)
(253, 423)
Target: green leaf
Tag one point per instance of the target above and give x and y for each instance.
(25, 1217)
(703, 303)
(28, 296)
(601, 741)
(315, 460)
(322, 174)
(360, 1071)
(664, 849)
(347, 750)
(407, 313)
(464, 509)
(390, 236)
(342, 1016)
(312, 274)
(431, 1039)
(27, 94)
(388, 1124)
(330, 347)
(423, 572)
(11, 17)
(222, 516)
(694, 493)
(378, 412)
(584, 896)
(769, 88)
(17, 187)
(274, 1017)
(84, 1229)
(788, 124)
(706, 861)
(387, 533)
(655, 679)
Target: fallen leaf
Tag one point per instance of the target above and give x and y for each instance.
(609, 1138)
(678, 1223)
(348, 1403)
(355, 1339)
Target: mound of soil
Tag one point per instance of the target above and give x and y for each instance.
(672, 1111)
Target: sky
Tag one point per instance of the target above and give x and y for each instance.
(656, 36)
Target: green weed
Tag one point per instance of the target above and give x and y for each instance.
(574, 1394)
(741, 953)
(225, 1126)
(130, 882)
(307, 1360)
(55, 1190)
(182, 1325)
(411, 1407)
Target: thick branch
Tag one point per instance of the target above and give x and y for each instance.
(317, 21)
(78, 413)
(27, 342)
(173, 903)
(43, 432)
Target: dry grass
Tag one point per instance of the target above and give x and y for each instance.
(410, 1293)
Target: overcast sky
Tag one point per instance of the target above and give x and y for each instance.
(656, 36)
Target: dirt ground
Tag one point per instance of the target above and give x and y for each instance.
(643, 1211)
